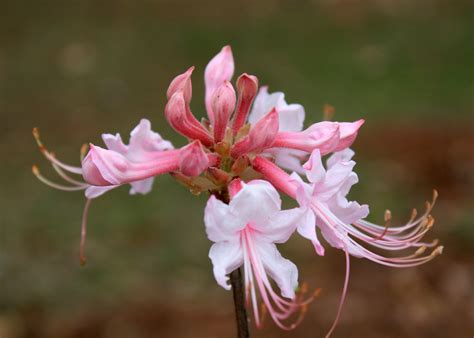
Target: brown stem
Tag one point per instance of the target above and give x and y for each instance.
(239, 304)
(237, 287)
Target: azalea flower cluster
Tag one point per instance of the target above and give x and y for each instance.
(251, 145)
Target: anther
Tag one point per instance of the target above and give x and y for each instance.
(328, 112)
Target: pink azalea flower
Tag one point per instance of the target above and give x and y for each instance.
(145, 144)
(244, 232)
(342, 223)
(146, 156)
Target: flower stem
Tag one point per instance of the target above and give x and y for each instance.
(239, 304)
(237, 286)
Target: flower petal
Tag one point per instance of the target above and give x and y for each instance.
(115, 143)
(225, 257)
(281, 226)
(314, 168)
(257, 202)
(144, 141)
(280, 269)
(291, 116)
(219, 225)
(95, 191)
(142, 187)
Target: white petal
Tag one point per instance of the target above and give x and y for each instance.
(263, 104)
(314, 168)
(115, 143)
(96, 191)
(220, 226)
(307, 229)
(289, 159)
(280, 226)
(142, 187)
(291, 117)
(340, 156)
(256, 202)
(225, 257)
(280, 269)
(143, 140)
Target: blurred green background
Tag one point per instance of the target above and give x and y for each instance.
(76, 69)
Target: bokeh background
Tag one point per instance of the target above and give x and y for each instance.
(76, 69)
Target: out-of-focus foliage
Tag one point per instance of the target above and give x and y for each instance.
(76, 69)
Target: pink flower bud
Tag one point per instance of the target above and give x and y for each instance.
(261, 135)
(182, 83)
(234, 187)
(193, 159)
(348, 133)
(247, 86)
(218, 70)
(223, 104)
(183, 121)
(323, 136)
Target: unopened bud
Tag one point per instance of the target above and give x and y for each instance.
(182, 83)
(193, 159)
(247, 86)
(223, 105)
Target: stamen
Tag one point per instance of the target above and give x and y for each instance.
(43, 179)
(328, 112)
(67, 178)
(387, 219)
(83, 151)
(50, 156)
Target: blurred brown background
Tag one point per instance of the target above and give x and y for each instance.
(76, 69)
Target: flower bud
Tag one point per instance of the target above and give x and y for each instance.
(182, 83)
(193, 159)
(261, 135)
(223, 104)
(234, 187)
(348, 133)
(218, 70)
(247, 86)
(183, 121)
(323, 136)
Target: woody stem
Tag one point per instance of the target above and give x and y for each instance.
(239, 304)
(237, 287)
